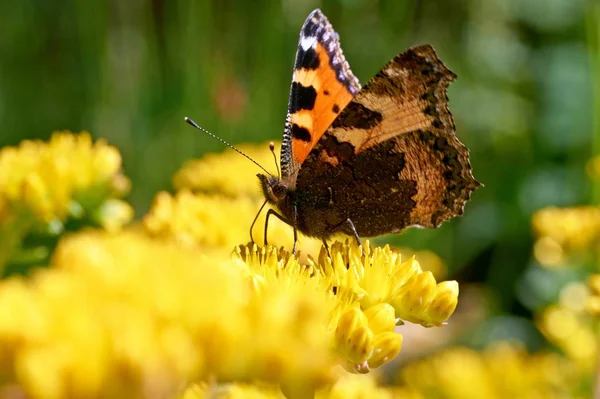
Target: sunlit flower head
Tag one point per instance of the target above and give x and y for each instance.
(212, 220)
(68, 174)
(48, 187)
(380, 275)
(361, 330)
(370, 293)
(228, 173)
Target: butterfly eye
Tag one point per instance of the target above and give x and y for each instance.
(279, 190)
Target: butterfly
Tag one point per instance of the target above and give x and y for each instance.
(371, 160)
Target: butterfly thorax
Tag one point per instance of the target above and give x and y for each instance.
(277, 192)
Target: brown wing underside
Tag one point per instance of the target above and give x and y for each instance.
(395, 150)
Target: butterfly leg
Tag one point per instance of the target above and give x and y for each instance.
(295, 231)
(254, 221)
(347, 227)
(274, 213)
(295, 241)
(326, 247)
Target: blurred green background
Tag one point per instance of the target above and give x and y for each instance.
(130, 70)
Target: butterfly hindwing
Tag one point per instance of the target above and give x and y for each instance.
(391, 159)
(322, 86)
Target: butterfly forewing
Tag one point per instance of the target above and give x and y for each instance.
(322, 85)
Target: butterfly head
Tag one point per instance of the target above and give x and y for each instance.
(274, 189)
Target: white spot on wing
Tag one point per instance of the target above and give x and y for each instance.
(307, 42)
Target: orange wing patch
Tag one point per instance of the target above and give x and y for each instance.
(319, 98)
(322, 85)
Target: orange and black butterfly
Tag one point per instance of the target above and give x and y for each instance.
(371, 160)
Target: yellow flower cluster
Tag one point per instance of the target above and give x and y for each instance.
(229, 173)
(118, 314)
(121, 315)
(564, 230)
(42, 185)
(215, 221)
(373, 292)
(572, 331)
(380, 276)
(58, 178)
(503, 370)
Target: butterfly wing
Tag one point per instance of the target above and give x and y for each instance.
(322, 86)
(391, 159)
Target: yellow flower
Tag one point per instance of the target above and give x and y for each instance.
(355, 386)
(215, 221)
(123, 315)
(43, 185)
(361, 331)
(366, 340)
(428, 260)
(347, 386)
(503, 370)
(380, 276)
(228, 173)
(354, 338)
(564, 230)
(232, 391)
(49, 179)
(572, 331)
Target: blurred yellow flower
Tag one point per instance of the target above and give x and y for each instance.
(43, 185)
(355, 386)
(347, 386)
(227, 173)
(232, 391)
(572, 331)
(55, 178)
(122, 315)
(561, 230)
(503, 370)
(217, 221)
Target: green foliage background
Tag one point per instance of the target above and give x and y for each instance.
(525, 101)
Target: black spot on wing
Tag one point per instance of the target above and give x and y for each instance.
(302, 97)
(336, 108)
(306, 59)
(300, 133)
(430, 110)
(356, 115)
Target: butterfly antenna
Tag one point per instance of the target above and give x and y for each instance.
(272, 148)
(214, 136)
